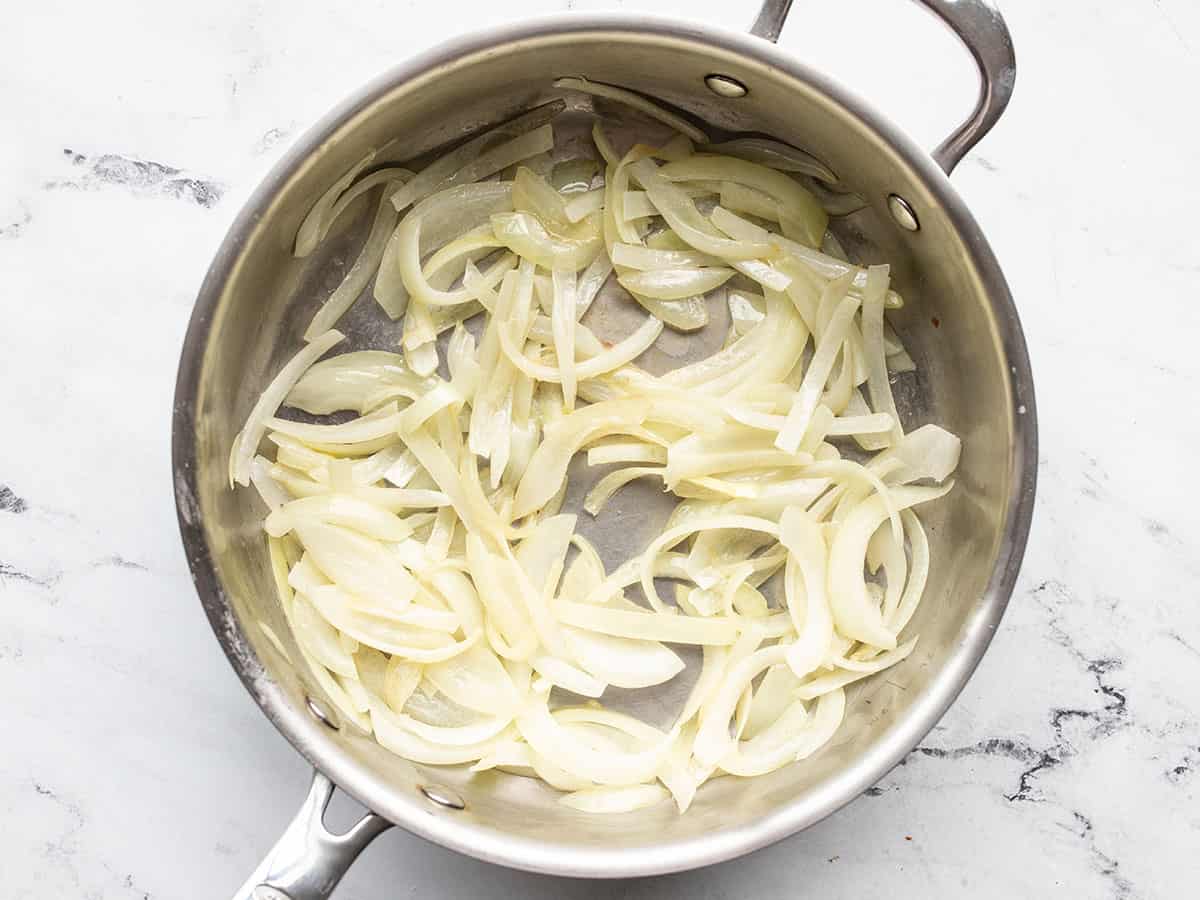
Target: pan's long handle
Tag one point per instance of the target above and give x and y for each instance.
(308, 861)
(982, 29)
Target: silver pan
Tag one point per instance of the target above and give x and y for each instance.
(973, 378)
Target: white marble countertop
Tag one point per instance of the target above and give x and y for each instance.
(135, 766)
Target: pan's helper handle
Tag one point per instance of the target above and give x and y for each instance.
(308, 861)
(982, 30)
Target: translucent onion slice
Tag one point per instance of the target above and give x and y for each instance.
(461, 360)
(542, 553)
(722, 362)
(743, 199)
(416, 615)
(764, 273)
(567, 751)
(459, 594)
(319, 639)
(417, 414)
(455, 736)
(621, 662)
(633, 256)
(477, 517)
(733, 450)
(492, 425)
(918, 573)
(682, 215)
(615, 799)
(713, 739)
(412, 643)
(563, 439)
(339, 509)
(681, 774)
(391, 732)
(665, 627)
(442, 217)
(625, 451)
(855, 615)
(391, 499)
(590, 282)
(583, 205)
(794, 736)
(817, 687)
(401, 678)
(688, 314)
(563, 674)
(879, 384)
(391, 463)
(821, 263)
(786, 191)
(417, 283)
(805, 586)
(441, 535)
(473, 160)
(390, 177)
(885, 551)
(562, 319)
(357, 563)
(604, 489)
(512, 625)
(533, 194)
(637, 205)
(271, 493)
(674, 284)
(772, 697)
(604, 145)
(427, 704)
(927, 452)
(360, 273)
(309, 233)
(637, 101)
(529, 239)
(816, 375)
(673, 536)
(247, 440)
(616, 187)
(379, 423)
(777, 155)
(443, 265)
(517, 757)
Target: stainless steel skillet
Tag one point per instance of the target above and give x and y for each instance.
(959, 324)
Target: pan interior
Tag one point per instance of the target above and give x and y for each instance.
(261, 299)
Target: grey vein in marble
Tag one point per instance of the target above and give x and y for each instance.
(14, 229)
(1186, 768)
(10, 573)
(62, 848)
(10, 502)
(1104, 721)
(119, 562)
(1104, 864)
(141, 176)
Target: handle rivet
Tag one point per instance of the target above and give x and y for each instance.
(266, 892)
(902, 213)
(443, 796)
(319, 713)
(724, 86)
